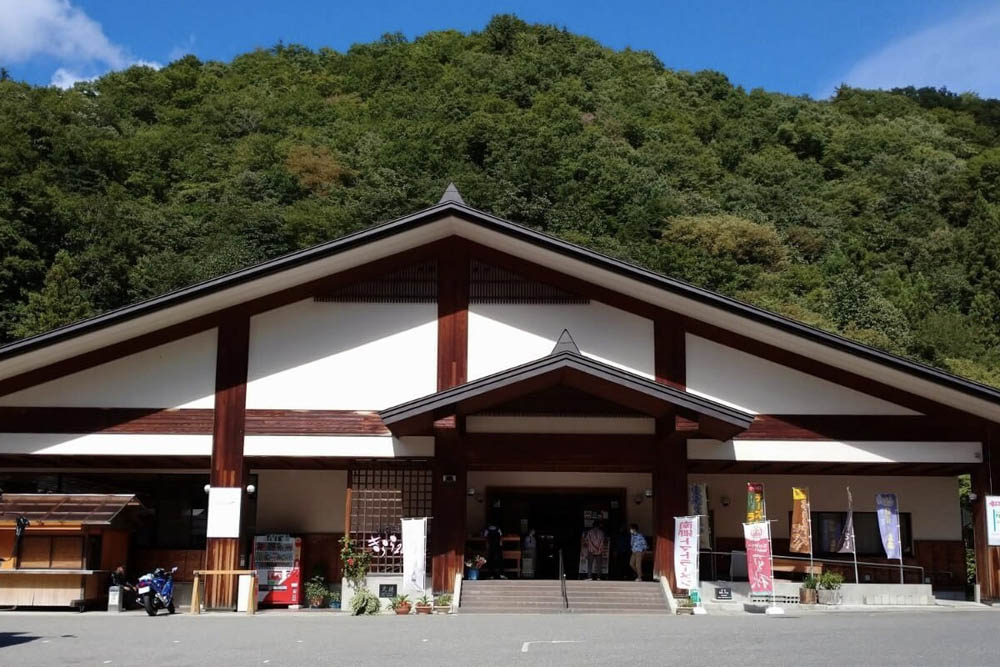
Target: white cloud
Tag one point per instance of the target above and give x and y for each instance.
(55, 29)
(961, 54)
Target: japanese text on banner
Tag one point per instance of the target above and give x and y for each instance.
(686, 551)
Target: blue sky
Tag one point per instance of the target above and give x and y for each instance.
(796, 46)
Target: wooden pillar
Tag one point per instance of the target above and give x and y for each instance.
(669, 351)
(448, 530)
(228, 468)
(669, 495)
(986, 481)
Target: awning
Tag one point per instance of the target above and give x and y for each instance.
(43, 509)
(566, 366)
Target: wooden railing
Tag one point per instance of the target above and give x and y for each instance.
(251, 593)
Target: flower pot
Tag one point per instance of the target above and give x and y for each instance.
(472, 574)
(403, 609)
(316, 602)
(829, 596)
(335, 604)
(424, 609)
(807, 596)
(442, 609)
(685, 611)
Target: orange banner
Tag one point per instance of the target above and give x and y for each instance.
(801, 535)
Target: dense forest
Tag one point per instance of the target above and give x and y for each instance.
(875, 214)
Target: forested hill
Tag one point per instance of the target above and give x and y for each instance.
(874, 214)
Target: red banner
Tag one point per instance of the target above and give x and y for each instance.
(758, 540)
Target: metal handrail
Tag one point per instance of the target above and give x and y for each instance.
(562, 580)
(836, 561)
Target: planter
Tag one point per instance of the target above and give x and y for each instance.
(424, 609)
(442, 609)
(403, 609)
(807, 596)
(335, 604)
(829, 596)
(316, 602)
(685, 611)
(472, 574)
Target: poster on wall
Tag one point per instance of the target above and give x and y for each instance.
(414, 555)
(224, 511)
(758, 541)
(686, 551)
(993, 521)
(698, 506)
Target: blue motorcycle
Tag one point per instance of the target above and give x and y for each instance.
(156, 591)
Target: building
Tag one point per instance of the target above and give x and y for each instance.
(455, 365)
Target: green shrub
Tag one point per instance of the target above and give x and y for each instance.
(365, 603)
(831, 581)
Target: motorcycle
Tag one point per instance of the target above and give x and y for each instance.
(156, 591)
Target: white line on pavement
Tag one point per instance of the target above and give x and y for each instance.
(525, 645)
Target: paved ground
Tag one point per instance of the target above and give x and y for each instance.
(32, 639)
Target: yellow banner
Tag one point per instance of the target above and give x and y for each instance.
(755, 502)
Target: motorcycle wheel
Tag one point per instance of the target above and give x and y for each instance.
(149, 604)
(170, 608)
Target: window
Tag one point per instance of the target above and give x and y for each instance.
(827, 527)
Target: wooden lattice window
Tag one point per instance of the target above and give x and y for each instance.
(411, 284)
(381, 496)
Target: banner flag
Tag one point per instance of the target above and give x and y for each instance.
(992, 520)
(414, 536)
(698, 506)
(686, 551)
(845, 545)
(801, 535)
(887, 509)
(758, 541)
(755, 502)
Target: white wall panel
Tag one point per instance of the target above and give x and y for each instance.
(759, 386)
(506, 335)
(179, 374)
(342, 356)
(382, 446)
(835, 451)
(933, 501)
(106, 444)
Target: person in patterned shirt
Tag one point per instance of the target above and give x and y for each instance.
(638, 549)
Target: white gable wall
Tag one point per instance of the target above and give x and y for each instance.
(505, 335)
(178, 374)
(735, 378)
(342, 356)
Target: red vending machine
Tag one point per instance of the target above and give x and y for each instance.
(277, 559)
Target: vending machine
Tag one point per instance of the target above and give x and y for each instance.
(278, 559)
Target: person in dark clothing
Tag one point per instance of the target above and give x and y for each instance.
(494, 551)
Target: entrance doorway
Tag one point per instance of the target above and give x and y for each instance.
(559, 517)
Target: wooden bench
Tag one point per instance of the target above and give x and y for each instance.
(251, 594)
(796, 566)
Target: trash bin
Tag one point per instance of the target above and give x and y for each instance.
(116, 601)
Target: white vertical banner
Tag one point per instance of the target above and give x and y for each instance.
(414, 556)
(992, 520)
(224, 503)
(686, 551)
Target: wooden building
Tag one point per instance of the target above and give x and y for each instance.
(471, 369)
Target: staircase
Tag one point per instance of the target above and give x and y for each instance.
(616, 597)
(527, 596)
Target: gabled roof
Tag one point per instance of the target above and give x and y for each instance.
(566, 366)
(452, 217)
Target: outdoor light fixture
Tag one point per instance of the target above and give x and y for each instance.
(251, 489)
(471, 491)
(208, 487)
(637, 499)
(648, 493)
(724, 500)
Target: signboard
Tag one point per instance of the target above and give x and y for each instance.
(224, 511)
(387, 590)
(758, 540)
(277, 559)
(414, 556)
(755, 502)
(686, 551)
(993, 521)
(723, 593)
(887, 508)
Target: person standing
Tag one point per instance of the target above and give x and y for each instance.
(593, 542)
(639, 547)
(529, 555)
(494, 550)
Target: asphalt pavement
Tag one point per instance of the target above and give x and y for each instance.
(41, 639)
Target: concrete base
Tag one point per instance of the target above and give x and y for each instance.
(787, 592)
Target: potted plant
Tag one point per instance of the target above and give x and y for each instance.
(685, 606)
(829, 588)
(424, 605)
(473, 565)
(807, 594)
(316, 591)
(442, 604)
(334, 598)
(365, 603)
(400, 604)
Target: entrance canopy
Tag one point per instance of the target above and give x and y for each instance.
(565, 366)
(64, 509)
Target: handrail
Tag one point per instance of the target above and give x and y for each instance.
(562, 580)
(836, 561)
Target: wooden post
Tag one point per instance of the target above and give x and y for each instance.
(986, 481)
(669, 495)
(196, 596)
(227, 467)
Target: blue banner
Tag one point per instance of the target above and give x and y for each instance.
(888, 524)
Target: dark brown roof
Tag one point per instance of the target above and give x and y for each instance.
(64, 508)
